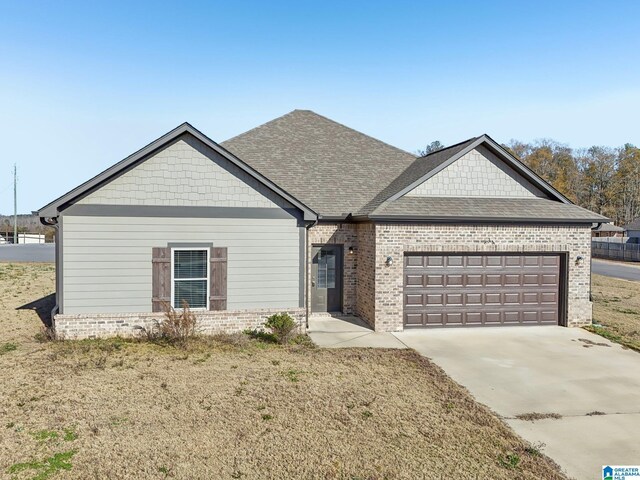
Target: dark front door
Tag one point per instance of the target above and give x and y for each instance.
(326, 279)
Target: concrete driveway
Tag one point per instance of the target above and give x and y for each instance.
(565, 371)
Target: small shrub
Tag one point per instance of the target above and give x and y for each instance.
(176, 328)
(282, 325)
(266, 417)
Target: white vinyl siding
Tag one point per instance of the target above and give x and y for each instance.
(107, 260)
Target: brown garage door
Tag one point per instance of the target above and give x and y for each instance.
(481, 290)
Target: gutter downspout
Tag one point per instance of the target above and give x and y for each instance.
(306, 271)
(53, 222)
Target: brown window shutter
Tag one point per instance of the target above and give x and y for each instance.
(218, 280)
(161, 282)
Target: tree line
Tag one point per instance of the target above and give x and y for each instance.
(605, 180)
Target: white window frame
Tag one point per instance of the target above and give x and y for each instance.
(173, 280)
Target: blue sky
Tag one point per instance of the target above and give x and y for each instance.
(84, 84)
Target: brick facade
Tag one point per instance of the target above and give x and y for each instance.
(375, 291)
(77, 327)
(344, 234)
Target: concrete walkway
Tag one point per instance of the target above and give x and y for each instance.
(333, 331)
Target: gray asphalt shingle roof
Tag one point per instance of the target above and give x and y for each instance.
(477, 208)
(333, 169)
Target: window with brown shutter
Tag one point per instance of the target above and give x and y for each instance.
(178, 274)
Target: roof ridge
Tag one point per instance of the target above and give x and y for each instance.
(356, 131)
(240, 135)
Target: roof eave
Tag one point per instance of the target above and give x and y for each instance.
(466, 219)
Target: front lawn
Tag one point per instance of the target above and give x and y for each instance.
(616, 306)
(233, 408)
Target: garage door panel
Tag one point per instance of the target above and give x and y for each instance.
(453, 298)
(434, 261)
(434, 318)
(453, 318)
(473, 298)
(493, 298)
(474, 261)
(511, 298)
(473, 318)
(512, 279)
(473, 279)
(411, 299)
(435, 298)
(494, 261)
(413, 280)
(513, 261)
(477, 290)
(414, 261)
(434, 280)
(511, 316)
(413, 319)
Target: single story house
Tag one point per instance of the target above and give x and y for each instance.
(307, 216)
(606, 230)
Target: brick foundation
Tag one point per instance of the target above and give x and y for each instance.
(80, 326)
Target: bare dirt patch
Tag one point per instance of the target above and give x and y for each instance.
(616, 308)
(233, 407)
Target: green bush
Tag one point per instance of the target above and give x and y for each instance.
(282, 325)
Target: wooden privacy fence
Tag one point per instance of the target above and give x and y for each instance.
(629, 252)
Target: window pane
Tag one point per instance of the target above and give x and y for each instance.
(190, 264)
(322, 276)
(331, 260)
(194, 292)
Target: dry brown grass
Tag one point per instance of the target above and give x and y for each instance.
(231, 407)
(617, 308)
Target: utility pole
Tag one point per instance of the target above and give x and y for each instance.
(15, 204)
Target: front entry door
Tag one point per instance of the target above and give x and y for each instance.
(326, 279)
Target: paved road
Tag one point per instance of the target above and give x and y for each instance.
(28, 253)
(629, 271)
